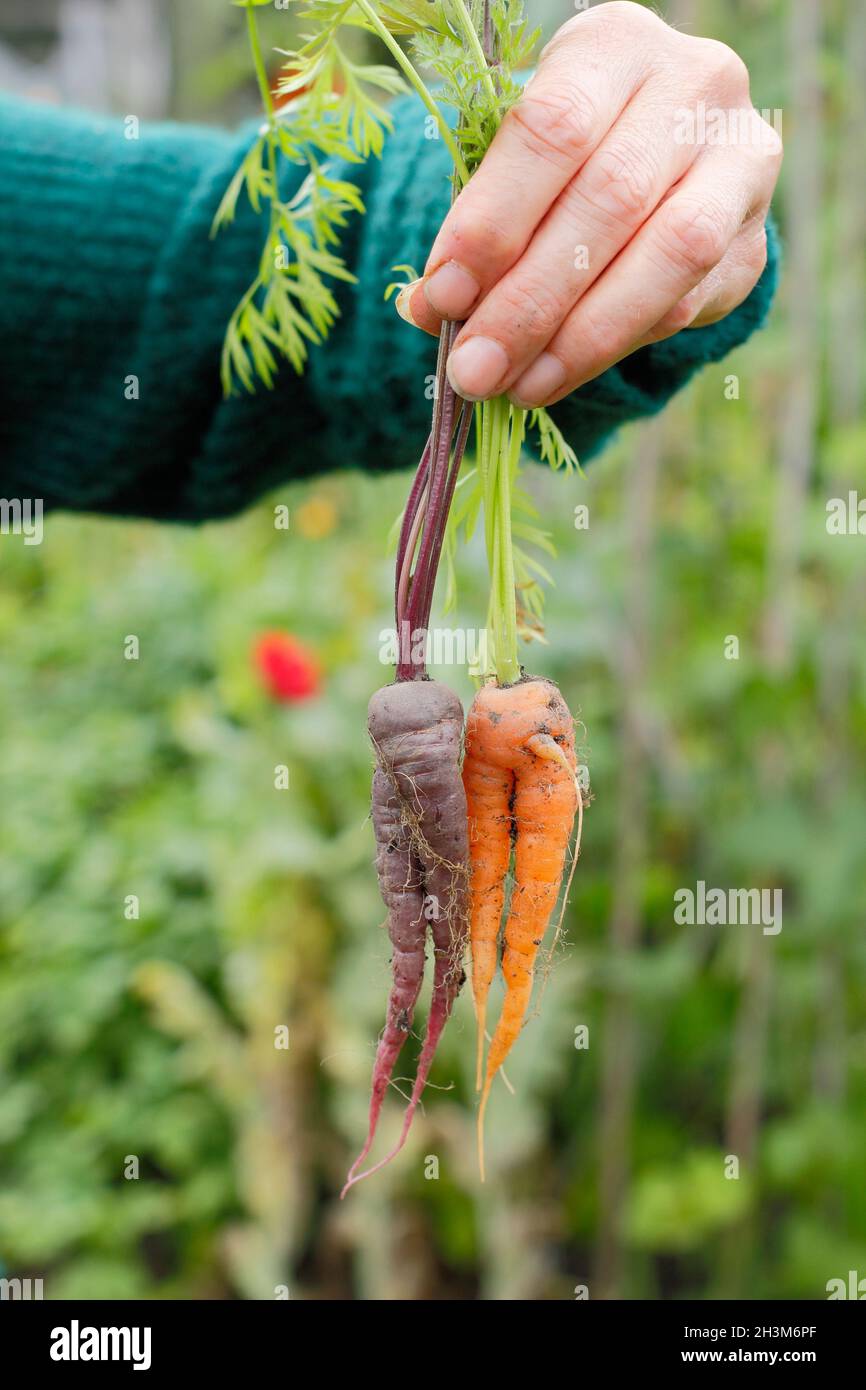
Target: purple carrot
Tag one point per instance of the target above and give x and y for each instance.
(402, 887)
(448, 979)
(419, 818)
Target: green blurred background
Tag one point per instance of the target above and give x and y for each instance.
(153, 1036)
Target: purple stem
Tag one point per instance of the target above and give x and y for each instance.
(403, 575)
(409, 518)
(487, 43)
(438, 487)
(438, 495)
(433, 489)
(464, 425)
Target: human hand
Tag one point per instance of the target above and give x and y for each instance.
(602, 218)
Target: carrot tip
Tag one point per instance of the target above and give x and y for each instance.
(482, 1107)
(479, 1051)
(368, 1172)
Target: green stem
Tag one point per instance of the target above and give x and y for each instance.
(500, 432)
(499, 450)
(482, 415)
(259, 63)
(400, 58)
(268, 103)
(507, 663)
(461, 14)
(500, 438)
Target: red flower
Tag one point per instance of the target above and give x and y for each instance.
(288, 669)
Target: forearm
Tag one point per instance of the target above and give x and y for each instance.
(113, 303)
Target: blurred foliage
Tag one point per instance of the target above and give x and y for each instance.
(154, 1035)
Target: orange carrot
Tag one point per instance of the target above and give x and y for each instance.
(488, 800)
(519, 772)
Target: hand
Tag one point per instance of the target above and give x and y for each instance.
(607, 214)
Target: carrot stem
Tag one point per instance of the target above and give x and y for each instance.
(259, 65)
(439, 522)
(500, 435)
(507, 663)
(405, 566)
(461, 14)
(413, 503)
(403, 62)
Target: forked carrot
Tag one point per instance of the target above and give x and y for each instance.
(519, 773)
(419, 818)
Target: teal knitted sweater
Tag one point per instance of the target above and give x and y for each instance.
(108, 273)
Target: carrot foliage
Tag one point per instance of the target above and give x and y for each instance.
(329, 107)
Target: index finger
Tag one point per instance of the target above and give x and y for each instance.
(562, 117)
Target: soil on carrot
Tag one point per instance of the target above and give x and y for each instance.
(419, 819)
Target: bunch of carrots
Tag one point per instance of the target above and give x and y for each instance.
(517, 794)
(456, 809)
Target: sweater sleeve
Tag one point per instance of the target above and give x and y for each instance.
(114, 300)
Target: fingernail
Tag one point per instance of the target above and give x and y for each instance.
(402, 302)
(451, 291)
(476, 367)
(544, 378)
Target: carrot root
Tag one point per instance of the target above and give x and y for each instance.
(519, 753)
(419, 818)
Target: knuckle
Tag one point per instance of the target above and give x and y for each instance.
(724, 65)
(694, 234)
(482, 239)
(758, 141)
(757, 253)
(620, 180)
(558, 123)
(532, 306)
(676, 319)
(563, 34)
(609, 16)
(619, 12)
(616, 21)
(599, 337)
(771, 143)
